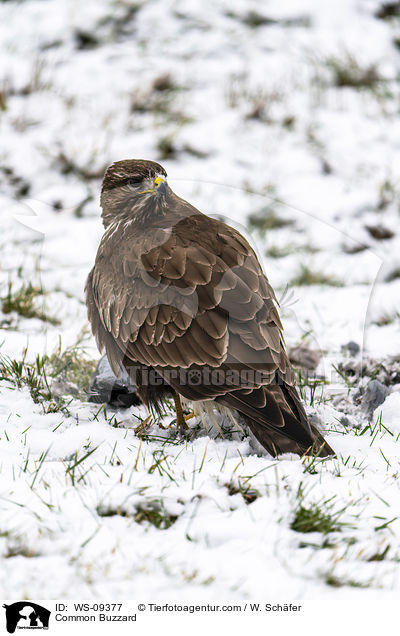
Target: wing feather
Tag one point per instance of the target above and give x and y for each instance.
(194, 294)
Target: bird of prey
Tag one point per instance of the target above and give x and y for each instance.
(179, 300)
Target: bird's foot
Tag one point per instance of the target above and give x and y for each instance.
(144, 425)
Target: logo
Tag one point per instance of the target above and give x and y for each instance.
(26, 615)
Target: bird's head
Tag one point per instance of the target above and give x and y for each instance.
(132, 185)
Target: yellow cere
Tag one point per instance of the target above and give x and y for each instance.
(156, 183)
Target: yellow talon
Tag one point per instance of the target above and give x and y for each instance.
(143, 425)
(181, 419)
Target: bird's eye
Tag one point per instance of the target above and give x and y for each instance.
(134, 181)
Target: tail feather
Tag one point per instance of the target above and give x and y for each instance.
(279, 422)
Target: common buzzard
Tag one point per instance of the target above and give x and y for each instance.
(180, 301)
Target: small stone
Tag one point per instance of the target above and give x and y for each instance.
(379, 232)
(374, 395)
(163, 83)
(85, 40)
(315, 420)
(352, 347)
(349, 422)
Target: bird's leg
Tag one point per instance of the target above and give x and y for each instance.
(180, 418)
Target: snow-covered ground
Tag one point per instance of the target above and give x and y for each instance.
(282, 118)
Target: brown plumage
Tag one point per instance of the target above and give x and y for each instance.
(180, 300)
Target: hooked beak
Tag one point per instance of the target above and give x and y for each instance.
(160, 186)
